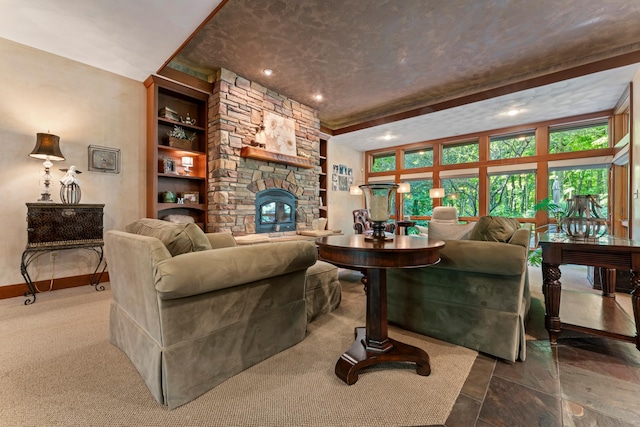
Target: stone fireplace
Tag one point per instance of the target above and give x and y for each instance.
(236, 110)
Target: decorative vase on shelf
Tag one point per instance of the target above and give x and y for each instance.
(378, 199)
(169, 197)
(584, 219)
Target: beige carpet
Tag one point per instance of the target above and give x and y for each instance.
(57, 367)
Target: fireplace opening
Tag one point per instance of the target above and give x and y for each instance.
(275, 211)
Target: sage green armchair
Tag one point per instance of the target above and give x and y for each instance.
(477, 296)
(191, 310)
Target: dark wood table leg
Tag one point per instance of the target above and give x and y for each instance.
(635, 301)
(372, 344)
(551, 288)
(608, 281)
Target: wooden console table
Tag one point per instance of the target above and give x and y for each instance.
(372, 344)
(582, 311)
(54, 227)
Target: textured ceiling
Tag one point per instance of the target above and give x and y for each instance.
(370, 59)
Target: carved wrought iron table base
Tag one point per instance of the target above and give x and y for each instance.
(30, 254)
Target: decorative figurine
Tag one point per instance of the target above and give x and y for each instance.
(70, 186)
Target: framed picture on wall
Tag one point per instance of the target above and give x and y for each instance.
(104, 159)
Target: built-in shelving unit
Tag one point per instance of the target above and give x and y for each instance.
(324, 212)
(165, 172)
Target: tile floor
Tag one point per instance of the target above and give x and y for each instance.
(582, 381)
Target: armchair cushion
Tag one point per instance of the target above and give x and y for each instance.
(198, 273)
(494, 229)
(449, 231)
(178, 238)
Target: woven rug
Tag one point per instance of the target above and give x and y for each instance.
(57, 367)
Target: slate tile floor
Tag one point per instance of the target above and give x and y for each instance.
(582, 381)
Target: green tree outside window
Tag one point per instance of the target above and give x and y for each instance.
(463, 194)
(418, 158)
(587, 137)
(460, 153)
(384, 162)
(513, 146)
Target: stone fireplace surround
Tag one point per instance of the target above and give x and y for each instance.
(235, 112)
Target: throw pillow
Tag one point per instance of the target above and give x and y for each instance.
(178, 238)
(446, 231)
(494, 229)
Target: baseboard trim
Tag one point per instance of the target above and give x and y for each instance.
(18, 290)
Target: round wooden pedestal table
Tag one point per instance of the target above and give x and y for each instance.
(372, 344)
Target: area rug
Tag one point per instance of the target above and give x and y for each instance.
(57, 367)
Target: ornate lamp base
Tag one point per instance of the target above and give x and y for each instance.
(378, 233)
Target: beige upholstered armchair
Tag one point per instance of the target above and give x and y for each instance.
(191, 309)
(362, 223)
(440, 214)
(477, 296)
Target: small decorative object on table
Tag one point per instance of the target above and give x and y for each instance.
(70, 187)
(191, 197)
(187, 163)
(167, 165)
(378, 199)
(179, 138)
(584, 219)
(168, 197)
(168, 113)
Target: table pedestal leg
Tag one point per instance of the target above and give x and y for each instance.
(551, 288)
(372, 344)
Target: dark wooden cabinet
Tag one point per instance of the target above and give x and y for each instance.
(55, 226)
(170, 105)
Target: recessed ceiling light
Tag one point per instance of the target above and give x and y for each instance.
(387, 137)
(318, 97)
(267, 71)
(512, 112)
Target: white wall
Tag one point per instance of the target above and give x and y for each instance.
(41, 92)
(341, 203)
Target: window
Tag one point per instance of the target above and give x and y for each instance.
(512, 146)
(383, 162)
(466, 152)
(418, 158)
(564, 139)
(417, 202)
(463, 194)
(513, 195)
(565, 183)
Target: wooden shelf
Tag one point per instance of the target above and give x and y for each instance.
(173, 175)
(269, 156)
(165, 206)
(179, 151)
(183, 125)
